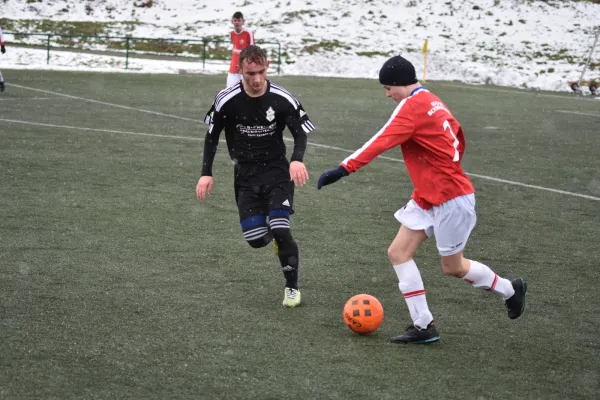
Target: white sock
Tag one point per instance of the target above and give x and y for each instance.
(411, 286)
(482, 277)
(1, 78)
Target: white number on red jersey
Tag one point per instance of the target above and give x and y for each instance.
(446, 125)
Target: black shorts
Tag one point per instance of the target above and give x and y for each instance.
(261, 200)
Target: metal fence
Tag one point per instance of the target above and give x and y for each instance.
(130, 46)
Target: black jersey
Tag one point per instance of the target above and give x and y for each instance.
(254, 132)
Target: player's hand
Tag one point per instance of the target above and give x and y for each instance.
(331, 175)
(204, 187)
(3, 49)
(298, 173)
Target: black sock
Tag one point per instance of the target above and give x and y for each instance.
(288, 256)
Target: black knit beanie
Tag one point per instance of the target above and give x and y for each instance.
(397, 71)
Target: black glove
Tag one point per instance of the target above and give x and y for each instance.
(3, 49)
(331, 175)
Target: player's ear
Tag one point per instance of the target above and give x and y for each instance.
(268, 62)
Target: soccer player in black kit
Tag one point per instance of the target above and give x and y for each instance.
(254, 114)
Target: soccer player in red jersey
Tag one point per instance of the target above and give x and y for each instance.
(442, 203)
(240, 38)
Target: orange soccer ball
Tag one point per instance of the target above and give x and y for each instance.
(363, 313)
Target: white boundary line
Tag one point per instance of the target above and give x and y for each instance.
(578, 113)
(81, 128)
(29, 98)
(485, 177)
(104, 103)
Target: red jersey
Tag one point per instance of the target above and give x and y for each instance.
(432, 143)
(239, 40)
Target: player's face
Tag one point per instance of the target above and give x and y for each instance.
(398, 93)
(238, 23)
(254, 75)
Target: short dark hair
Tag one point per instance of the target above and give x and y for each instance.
(253, 54)
(237, 15)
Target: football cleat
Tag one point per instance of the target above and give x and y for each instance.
(291, 297)
(2, 86)
(516, 303)
(416, 335)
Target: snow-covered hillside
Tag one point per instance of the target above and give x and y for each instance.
(506, 42)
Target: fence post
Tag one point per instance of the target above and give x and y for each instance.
(127, 51)
(48, 50)
(203, 54)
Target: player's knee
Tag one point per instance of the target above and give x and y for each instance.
(260, 242)
(453, 266)
(452, 271)
(256, 232)
(399, 254)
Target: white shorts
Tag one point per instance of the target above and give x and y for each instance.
(232, 78)
(451, 222)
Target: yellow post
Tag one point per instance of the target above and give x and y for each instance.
(425, 61)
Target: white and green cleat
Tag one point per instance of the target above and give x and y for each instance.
(291, 297)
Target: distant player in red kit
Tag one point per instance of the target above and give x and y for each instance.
(240, 38)
(442, 203)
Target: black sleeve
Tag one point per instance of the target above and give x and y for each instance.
(299, 125)
(216, 123)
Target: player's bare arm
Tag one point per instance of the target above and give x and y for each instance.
(204, 187)
(298, 173)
